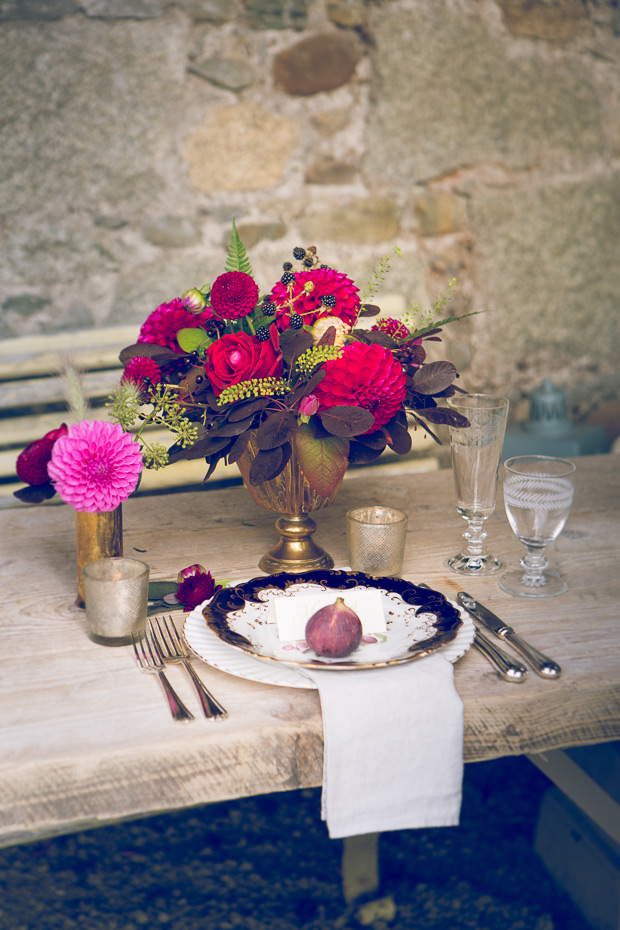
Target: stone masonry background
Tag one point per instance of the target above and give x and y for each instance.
(481, 137)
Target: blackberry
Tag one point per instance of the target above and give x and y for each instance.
(329, 301)
(297, 321)
(312, 248)
(269, 308)
(308, 262)
(287, 266)
(262, 333)
(299, 253)
(287, 278)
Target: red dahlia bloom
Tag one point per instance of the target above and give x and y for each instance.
(32, 462)
(364, 376)
(233, 295)
(392, 327)
(143, 372)
(162, 326)
(326, 282)
(196, 585)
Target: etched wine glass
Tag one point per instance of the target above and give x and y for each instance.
(538, 494)
(476, 452)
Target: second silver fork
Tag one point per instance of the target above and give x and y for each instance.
(173, 650)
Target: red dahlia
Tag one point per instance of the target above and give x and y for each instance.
(162, 326)
(327, 283)
(32, 462)
(143, 372)
(233, 295)
(392, 327)
(364, 376)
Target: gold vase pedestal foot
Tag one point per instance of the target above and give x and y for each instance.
(296, 551)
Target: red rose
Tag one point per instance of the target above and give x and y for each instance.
(32, 462)
(239, 357)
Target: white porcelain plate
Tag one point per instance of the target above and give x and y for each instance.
(413, 629)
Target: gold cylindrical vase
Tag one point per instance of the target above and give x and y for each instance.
(97, 536)
(291, 495)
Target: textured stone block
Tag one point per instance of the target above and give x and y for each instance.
(559, 19)
(317, 63)
(447, 94)
(368, 220)
(240, 148)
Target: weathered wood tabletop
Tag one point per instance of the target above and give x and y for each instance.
(87, 739)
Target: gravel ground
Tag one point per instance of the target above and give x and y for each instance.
(267, 863)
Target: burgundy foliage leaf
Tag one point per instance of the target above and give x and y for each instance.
(35, 494)
(149, 350)
(398, 437)
(323, 458)
(207, 446)
(276, 430)
(238, 448)
(346, 421)
(369, 310)
(434, 377)
(360, 454)
(375, 440)
(294, 342)
(233, 428)
(416, 401)
(375, 336)
(305, 387)
(328, 338)
(269, 464)
(447, 417)
(243, 411)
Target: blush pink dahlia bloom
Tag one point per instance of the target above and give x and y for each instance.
(364, 376)
(327, 283)
(95, 466)
(163, 324)
(233, 295)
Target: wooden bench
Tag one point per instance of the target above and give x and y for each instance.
(32, 403)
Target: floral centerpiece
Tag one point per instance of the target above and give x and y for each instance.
(291, 370)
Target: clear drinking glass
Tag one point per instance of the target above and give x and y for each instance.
(538, 494)
(476, 452)
(116, 594)
(376, 540)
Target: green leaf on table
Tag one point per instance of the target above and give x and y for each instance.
(323, 459)
(159, 589)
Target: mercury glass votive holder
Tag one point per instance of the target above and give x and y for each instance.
(116, 597)
(376, 540)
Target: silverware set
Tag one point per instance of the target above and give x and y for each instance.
(162, 645)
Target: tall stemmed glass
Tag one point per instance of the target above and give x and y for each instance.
(538, 494)
(476, 452)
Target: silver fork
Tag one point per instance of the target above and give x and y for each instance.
(149, 659)
(171, 646)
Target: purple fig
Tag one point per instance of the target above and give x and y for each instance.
(334, 631)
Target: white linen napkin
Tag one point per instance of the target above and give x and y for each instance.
(393, 756)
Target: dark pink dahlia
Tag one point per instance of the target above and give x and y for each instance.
(327, 283)
(144, 372)
(364, 376)
(196, 585)
(32, 462)
(163, 324)
(233, 295)
(392, 327)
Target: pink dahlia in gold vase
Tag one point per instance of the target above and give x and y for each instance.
(293, 368)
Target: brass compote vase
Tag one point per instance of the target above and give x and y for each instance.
(291, 496)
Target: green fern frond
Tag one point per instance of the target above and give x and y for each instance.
(237, 256)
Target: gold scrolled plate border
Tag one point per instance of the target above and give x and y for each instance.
(447, 621)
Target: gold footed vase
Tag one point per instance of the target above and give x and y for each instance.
(294, 499)
(97, 536)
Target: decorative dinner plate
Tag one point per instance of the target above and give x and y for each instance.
(242, 638)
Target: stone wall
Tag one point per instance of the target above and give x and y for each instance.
(481, 137)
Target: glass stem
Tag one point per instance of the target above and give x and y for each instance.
(534, 563)
(475, 534)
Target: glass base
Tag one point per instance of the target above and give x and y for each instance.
(551, 584)
(466, 564)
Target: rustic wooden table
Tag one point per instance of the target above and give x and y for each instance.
(87, 740)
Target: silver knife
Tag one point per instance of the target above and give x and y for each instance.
(505, 666)
(542, 664)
